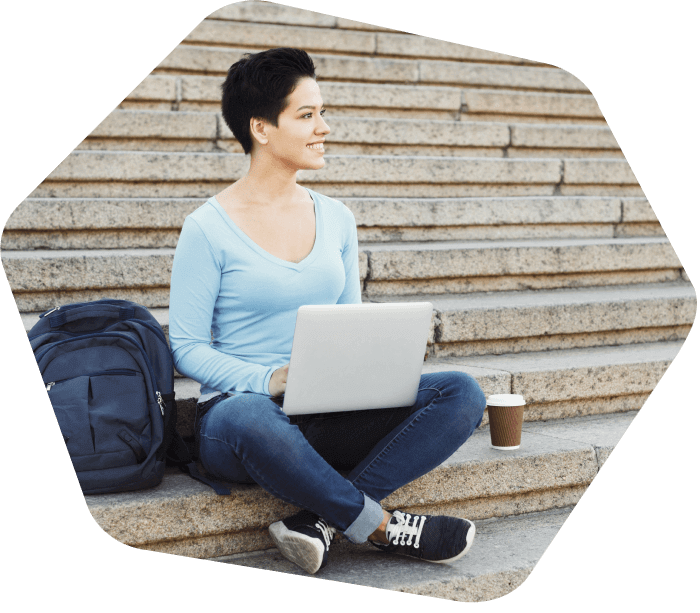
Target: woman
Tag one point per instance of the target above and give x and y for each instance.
(246, 260)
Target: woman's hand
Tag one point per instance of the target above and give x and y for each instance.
(278, 381)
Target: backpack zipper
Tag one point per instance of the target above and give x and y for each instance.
(118, 335)
(49, 312)
(116, 371)
(161, 403)
(76, 305)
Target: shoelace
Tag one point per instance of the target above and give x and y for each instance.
(326, 532)
(403, 528)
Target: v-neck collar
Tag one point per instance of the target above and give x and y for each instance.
(266, 254)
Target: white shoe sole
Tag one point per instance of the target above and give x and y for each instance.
(304, 551)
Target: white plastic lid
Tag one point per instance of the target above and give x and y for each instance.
(505, 400)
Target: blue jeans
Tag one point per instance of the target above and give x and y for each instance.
(247, 438)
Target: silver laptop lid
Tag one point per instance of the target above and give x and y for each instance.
(356, 356)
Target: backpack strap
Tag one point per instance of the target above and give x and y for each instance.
(136, 447)
(95, 313)
(177, 453)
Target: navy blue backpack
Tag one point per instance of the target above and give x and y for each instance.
(109, 374)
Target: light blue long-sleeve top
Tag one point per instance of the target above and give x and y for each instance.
(233, 305)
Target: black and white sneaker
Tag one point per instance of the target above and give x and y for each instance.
(304, 539)
(433, 538)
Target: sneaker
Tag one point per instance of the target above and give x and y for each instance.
(433, 538)
(304, 539)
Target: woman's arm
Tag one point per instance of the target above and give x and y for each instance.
(352, 293)
(194, 288)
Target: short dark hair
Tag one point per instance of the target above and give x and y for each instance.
(258, 85)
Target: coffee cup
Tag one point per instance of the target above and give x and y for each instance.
(505, 420)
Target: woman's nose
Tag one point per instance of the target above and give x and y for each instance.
(323, 128)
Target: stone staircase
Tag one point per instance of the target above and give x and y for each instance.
(488, 185)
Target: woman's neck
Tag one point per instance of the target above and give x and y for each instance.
(269, 181)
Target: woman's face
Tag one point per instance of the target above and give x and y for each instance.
(297, 141)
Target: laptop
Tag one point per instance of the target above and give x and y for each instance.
(348, 357)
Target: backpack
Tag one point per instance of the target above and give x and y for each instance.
(109, 374)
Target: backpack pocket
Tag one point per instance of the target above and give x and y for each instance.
(107, 412)
(70, 404)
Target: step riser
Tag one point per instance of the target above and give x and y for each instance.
(640, 332)
(205, 189)
(646, 376)
(268, 12)
(205, 60)
(383, 289)
(153, 296)
(438, 151)
(151, 239)
(549, 342)
(504, 115)
(42, 301)
(209, 130)
(88, 174)
(568, 409)
(546, 320)
(111, 214)
(184, 167)
(199, 93)
(549, 320)
(100, 269)
(379, 113)
(518, 260)
(556, 326)
(222, 34)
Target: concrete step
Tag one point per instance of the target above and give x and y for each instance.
(216, 60)
(386, 269)
(122, 223)
(482, 323)
(556, 384)
(497, 310)
(495, 323)
(409, 268)
(503, 554)
(567, 383)
(554, 465)
(603, 320)
(203, 93)
(110, 174)
(269, 12)
(334, 39)
(202, 131)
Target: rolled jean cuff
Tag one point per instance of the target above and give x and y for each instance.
(369, 519)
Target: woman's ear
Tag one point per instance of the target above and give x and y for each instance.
(258, 130)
